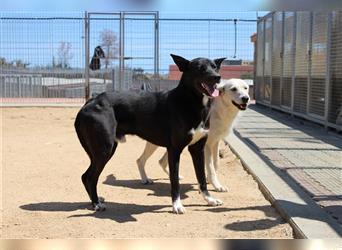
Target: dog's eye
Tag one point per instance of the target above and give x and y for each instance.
(245, 87)
(213, 66)
(203, 68)
(233, 89)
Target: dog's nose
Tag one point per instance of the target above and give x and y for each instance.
(245, 99)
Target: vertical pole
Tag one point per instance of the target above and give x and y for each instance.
(156, 48)
(309, 64)
(282, 58)
(271, 57)
(86, 63)
(328, 73)
(121, 50)
(263, 59)
(293, 61)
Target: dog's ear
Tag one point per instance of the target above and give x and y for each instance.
(219, 61)
(181, 62)
(220, 87)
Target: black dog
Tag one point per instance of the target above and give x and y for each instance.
(95, 63)
(172, 119)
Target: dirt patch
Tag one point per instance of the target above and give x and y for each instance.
(43, 196)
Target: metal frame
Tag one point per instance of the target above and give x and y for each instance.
(323, 120)
(309, 53)
(294, 48)
(122, 17)
(328, 73)
(87, 57)
(282, 58)
(310, 70)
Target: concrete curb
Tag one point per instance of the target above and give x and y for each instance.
(307, 219)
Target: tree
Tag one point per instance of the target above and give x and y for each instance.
(20, 64)
(64, 54)
(109, 44)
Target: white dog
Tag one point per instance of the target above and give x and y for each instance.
(233, 98)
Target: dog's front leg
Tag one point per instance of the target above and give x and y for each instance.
(197, 154)
(214, 149)
(173, 156)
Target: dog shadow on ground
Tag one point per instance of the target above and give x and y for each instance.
(159, 189)
(274, 219)
(119, 212)
(251, 225)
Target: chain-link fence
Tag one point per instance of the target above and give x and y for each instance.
(47, 55)
(298, 64)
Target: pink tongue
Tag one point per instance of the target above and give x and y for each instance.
(215, 93)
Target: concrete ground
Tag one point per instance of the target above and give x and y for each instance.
(302, 151)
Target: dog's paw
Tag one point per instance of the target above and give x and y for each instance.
(214, 202)
(178, 207)
(99, 206)
(221, 189)
(101, 199)
(147, 181)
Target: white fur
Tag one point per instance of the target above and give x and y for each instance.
(211, 200)
(148, 151)
(222, 116)
(205, 100)
(198, 133)
(178, 207)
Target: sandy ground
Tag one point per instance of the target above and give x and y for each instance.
(43, 197)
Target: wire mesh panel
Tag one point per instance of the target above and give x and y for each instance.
(104, 31)
(216, 38)
(277, 56)
(318, 63)
(44, 54)
(302, 58)
(259, 85)
(43, 46)
(139, 51)
(335, 110)
(288, 56)
(268, 58)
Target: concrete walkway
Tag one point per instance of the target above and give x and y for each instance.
(300, 151)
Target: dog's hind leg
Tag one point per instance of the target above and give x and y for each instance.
(197, 154)
(97, 136)
(163, 163)
(148, 151)
(91, 176)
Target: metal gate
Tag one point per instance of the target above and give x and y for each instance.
(126, 56)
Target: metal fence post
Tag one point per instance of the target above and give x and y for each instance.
(293, 80)
(271, 61)
(156, 47)
(121, 49)
(328, 73)
(86, 63)
(282, 58)
(309, 65)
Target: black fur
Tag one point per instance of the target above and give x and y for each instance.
(162, 118)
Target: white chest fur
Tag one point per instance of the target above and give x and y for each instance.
(198, 133)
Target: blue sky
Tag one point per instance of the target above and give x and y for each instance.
(118, 5)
